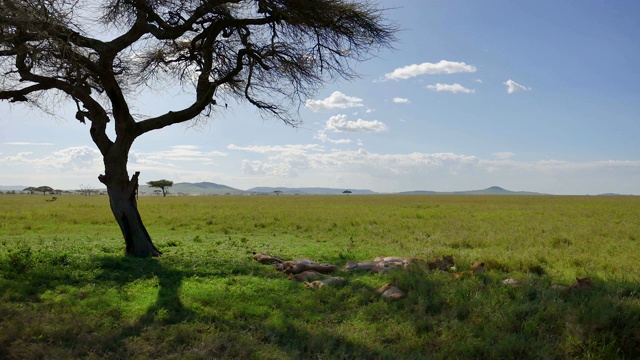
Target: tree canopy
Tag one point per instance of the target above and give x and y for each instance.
(99, 56)
(162, 185)
(45, 189)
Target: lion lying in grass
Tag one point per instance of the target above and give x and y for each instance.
(305, 275)
(266, 259)
(293, 267)
(581, 285)
(316, 284)
(392, 292)
(477, 268)
(382, 264)
(444, 263)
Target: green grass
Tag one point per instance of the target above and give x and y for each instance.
(67, 290)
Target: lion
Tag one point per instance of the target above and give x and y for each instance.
(321, 268)
(443, 263)
(391, 292)
(305, 275)
(380, 268)
(355, 265)
(320, 283)
(581, 284)
(390, 259)
(477, 268)
(285, 265)
(266, 259)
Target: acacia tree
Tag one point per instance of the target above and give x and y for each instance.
(45, 189)
(162, 184)
(99, 55)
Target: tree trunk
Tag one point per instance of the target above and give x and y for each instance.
(122, 197)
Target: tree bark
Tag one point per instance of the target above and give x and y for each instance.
(122, 197)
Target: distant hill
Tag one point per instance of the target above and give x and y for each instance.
(307, 191)
(202, 188)
(209, 188)
(494, 190)
(12, 187)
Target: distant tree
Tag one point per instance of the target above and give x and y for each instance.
(164, 185)
(44, 189)
(87, 190)
(277, 192)
(30, 189)
(101, 55)
(157, 192)
(347, 192)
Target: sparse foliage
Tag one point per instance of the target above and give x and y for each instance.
(87, 190)
(100, 55)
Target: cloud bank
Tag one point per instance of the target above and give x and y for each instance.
(317, 165)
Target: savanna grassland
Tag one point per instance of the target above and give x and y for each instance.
(67, 290)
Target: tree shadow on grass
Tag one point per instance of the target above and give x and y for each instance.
(124, 270)
(250, 331)
(522, 321)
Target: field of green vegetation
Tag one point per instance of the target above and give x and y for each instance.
(67, 290)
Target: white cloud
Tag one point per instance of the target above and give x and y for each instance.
(336, 100)
(442, 67)
(177, 158)
(283, 169)
(399, 100)
(265, 149)
(513, 86)
(28, 143)
(76, 157)
(452, 88)
(503, 155)
(322, 136)
(339, 123)
(180, 153)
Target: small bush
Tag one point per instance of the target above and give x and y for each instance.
(20, 259)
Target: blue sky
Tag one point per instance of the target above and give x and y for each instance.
(527, 95)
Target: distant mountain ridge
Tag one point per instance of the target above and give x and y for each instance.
(12, 187)
(209, 188)
(308, 190)
(201, 188)
(493, 190)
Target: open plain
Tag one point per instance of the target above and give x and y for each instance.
(67, 290)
